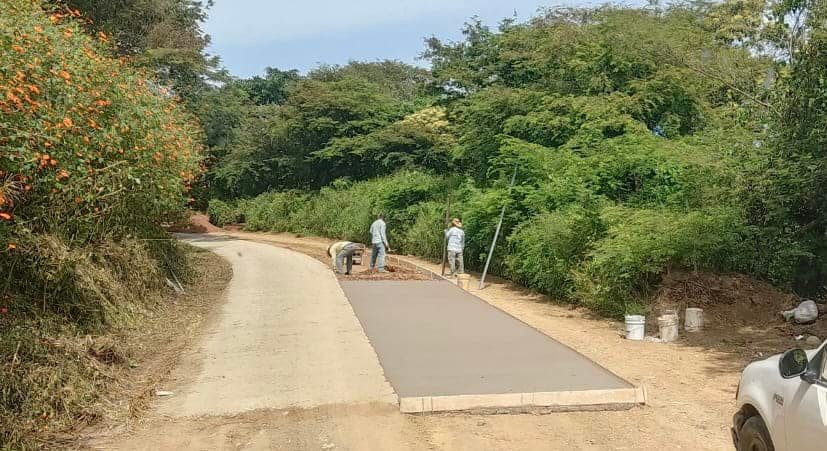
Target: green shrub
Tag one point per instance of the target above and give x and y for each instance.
(222, 213)
(344, 210)
(544, 250)
(480, 211)
(640, 245)
(272, 212)
(423, 237)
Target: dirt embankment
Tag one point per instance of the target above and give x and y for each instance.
(152, 347)
(198, 223)
(741, 315)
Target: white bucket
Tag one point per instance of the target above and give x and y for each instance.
(668, 325)
(635, 327)
(694, 320)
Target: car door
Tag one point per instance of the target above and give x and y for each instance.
(806, 410)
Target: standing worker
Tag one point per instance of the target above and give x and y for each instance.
(341, 251)
(379, 240)
(456, 244)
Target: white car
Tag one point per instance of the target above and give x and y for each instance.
(782, 403)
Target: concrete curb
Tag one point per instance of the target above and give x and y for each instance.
(586, 400)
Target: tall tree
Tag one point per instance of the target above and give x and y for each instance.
(164, 35)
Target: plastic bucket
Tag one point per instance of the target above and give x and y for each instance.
(668, 325)
(635, 327)
(694, 320)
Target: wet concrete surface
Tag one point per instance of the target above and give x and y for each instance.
(434, 339)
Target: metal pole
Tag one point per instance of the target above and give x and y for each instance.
(497, 233)
(445, 238)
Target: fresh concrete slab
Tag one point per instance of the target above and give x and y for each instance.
(444, 349)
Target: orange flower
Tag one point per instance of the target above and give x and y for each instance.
(67, 32)
(18, 48)
(5, 216)
(38, 29)
(63, 174)
(34, 89)
(102, 36)
(12, 246)
(68, 122)
(64, 75)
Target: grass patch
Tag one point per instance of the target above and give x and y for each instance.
(59, 375)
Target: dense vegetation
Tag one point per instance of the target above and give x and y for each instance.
(644, 140)
(94, 155)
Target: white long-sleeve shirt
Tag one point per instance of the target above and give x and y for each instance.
(377, 232)
(456, 239)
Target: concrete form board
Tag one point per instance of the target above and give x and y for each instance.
(441, 346)
(612, 399)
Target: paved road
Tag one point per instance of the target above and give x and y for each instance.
(286, 337)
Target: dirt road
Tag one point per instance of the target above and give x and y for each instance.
(691, 389)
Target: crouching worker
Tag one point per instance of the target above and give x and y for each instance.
(341, 251)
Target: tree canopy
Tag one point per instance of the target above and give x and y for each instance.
(645, 138)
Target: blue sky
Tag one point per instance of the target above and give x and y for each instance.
(250, 35)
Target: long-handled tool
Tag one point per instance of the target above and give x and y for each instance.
(497, 233)
(445, 237)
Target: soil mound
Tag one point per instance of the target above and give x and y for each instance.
(727, 299)
(198, 223)
(739, 311)
(393, 273)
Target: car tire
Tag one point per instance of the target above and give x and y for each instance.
(754, 436)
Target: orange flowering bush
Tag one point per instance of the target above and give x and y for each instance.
(89, 147)
(93, 156)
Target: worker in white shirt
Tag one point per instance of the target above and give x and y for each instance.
(456, 244)
(379, 241)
